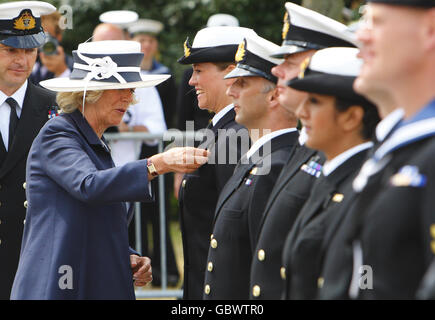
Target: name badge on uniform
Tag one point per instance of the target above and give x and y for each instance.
(408, 176)
(312, 167)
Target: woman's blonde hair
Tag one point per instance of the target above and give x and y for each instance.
(69, 101)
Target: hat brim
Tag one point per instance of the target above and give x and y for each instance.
(287, 50)
(24, 42)
(68, 85)
(239, 72)
(327, 84)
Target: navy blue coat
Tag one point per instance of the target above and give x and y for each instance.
(75, 242)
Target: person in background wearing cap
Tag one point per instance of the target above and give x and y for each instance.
(146, 32)
(212, 56)
(52, 60)
(304, 32)
(24, 109)
(392, 234)
(239, 209)
(340, 123)
(187, 104)
(76, 246)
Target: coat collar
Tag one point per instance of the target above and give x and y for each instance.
(421, 126)
(287, 140)
(33, 116)
(87, 131)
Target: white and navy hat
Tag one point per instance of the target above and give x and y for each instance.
(20, 23)
(222, 19)
(331, 71)
(104, 65)
(122, 18)
(146, 26)
(214, 44)
(305, 29)
(254, 60)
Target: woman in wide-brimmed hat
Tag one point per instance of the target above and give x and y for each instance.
(75, 243)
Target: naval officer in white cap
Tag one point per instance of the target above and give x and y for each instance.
(24, 109)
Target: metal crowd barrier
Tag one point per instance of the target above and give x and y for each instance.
(164, 292)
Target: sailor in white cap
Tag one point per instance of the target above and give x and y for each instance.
(239, 210)
(212, 56)
(340, 123)
(304, 31)
(75, 242)
(24, 109)
(222, 19)
(121, 18)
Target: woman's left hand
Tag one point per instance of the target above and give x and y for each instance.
(142, 271)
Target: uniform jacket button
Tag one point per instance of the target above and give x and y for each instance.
(25, 204)
(183, 183)
(24, 185)
(210, 266)
(261, 255)
(213, 243)
(282, 271)
(256, 291)
(207, 289)
(320, 282)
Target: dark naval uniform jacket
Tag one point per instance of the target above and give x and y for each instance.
(237, 220)
(337, 260)
(394, 228)
(37, 106)
(302, 250)
(198, 195)
(75, 242)
(287, 197)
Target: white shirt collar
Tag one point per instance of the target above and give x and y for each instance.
(385, 126)
(333, 164)
(303, 137)
(221, 113)
(17, 95)
(267, 137)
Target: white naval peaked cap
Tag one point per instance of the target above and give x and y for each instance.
(254, 59)
(215, 44)
(122, 18)
(146, 26)
(305, 29)
(331, 71)
(20, 23)
(222, 19)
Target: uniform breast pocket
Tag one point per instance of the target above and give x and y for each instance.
(232, 214)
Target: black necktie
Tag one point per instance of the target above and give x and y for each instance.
(13, 120)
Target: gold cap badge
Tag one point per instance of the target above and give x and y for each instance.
(25, 21)
(240, 54)
(186, 48)
(286, 26)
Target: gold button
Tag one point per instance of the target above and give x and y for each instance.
(320, 282)
(213, 243)
(0, 204)
(0, 221)
(282, 272)
(210, 266)
(183, 183)
(25, 204)
(207, 289)
(256, 291)
(0, 241)
(24, 221)
(261, 255)
(24, 185)
(211, 236)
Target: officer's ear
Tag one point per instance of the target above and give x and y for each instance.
(352, 118)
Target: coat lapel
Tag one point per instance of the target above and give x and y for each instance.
(33, 117)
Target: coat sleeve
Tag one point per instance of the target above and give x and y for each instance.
(65, 160)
